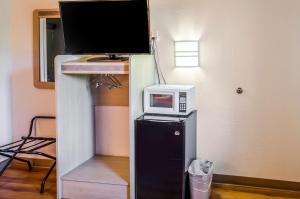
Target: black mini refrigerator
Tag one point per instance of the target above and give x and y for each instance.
(164, 148)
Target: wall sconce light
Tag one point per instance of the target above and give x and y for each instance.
(187, 53)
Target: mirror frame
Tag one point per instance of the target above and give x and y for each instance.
(37, 15)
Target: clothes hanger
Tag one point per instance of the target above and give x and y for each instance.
(108, 81)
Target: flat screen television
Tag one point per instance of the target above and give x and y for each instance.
(106, 27)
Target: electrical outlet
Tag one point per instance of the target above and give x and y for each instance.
(155, 35)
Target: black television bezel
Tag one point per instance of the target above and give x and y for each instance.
(109, 54)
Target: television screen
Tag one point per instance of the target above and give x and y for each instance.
(113, 27)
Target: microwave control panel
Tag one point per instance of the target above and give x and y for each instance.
(182, 102)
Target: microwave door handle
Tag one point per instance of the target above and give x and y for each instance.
(162, 121)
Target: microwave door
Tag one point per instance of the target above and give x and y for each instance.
(162, 102)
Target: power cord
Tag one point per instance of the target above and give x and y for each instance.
(155, 53)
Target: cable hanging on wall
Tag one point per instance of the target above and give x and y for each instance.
(155, 53)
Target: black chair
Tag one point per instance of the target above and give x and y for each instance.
(29, 145)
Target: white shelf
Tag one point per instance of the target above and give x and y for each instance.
(101, 177)
(103, 170)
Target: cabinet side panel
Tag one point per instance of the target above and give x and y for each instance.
(142, 74)
(75, 120)
(190, 139)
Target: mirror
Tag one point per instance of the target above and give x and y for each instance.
(48, 42)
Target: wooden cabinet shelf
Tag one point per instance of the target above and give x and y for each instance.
(84, 67)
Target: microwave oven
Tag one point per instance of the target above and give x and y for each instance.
(169, 99)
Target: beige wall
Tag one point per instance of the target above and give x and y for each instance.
(254, 44)
(27, 101)
(5, 74)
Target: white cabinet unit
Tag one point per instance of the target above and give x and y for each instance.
(85, 169)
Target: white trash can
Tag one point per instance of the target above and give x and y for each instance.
(200, 173)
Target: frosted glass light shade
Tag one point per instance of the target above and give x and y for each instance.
(187, 53)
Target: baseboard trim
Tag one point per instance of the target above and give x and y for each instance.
(278, 193)
(256, 182)
(40, 163)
